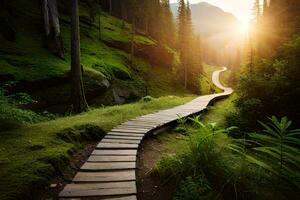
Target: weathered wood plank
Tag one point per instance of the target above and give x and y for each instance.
(93, 158)
(99, 189)
(130, 125)
(92, 166)
(120, 141)
(102, 145)
(126, 134)
(122, 137)
(129, 131)
(114, 176)
(115, 152)
(139, 128)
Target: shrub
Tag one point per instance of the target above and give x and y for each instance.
(11, 116)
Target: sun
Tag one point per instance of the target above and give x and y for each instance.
(244, 27)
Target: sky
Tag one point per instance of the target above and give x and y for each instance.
(242, 9)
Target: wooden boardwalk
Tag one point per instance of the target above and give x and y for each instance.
(109, 172)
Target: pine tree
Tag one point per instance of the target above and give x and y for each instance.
(188, 43)
(168, 26)
(182, 37)
(181, 18)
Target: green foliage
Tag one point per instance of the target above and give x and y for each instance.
(226, 168)
(32, 155)
(194, 189)
(11, 115)
(201, 157)
(280, 147)
(147, 98)
(272, 87)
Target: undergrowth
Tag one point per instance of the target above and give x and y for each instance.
(209, 164)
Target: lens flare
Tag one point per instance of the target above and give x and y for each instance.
(244, 27)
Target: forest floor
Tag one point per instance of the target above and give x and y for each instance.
(149, 185)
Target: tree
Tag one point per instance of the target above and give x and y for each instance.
(168, 26)
(189, 38)
(181, 18)
(110, 6)
(77, 91)
(52, 27)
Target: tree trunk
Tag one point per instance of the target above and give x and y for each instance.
(132, 40)
(110, 6)
(77, 92)
(52, 27)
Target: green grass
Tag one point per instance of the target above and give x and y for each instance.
(217, 113)
(33, 154)
(206, 85)
(28, 59)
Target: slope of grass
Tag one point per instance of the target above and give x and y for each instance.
(32, 154)
(28, 59)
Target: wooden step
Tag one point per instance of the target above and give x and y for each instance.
(113, 176)
(120, 141)
(102, 145)
(126, 134)
(129, 131)
(93, 158)
(99, 189)
(122, 137)
(94, 166)
(115, 152)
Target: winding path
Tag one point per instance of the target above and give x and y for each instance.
(109, 173)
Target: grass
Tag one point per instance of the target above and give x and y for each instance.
(28, 59)
(206, 86)
(33, 154)
(217, 113)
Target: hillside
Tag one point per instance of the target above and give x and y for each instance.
(217, 27)
(110, 76)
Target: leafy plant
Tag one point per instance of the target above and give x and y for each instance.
(181, 128)
(194, 188)
(276, 148)
(280, 144)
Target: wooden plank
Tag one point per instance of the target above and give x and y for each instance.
(99, 189)
(130, 125)
(93, 158)
(126, 134)
(102, 145)
(120, 141)
(115, 152)
(115, 176)
(140, 121)
(128, 131)
(132, 197)
(93, 166)
(133, 128)
(122, 137)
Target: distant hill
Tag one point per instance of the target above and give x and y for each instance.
(211, 22)
(209, 19)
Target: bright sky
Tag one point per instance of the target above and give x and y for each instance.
(242, 9)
